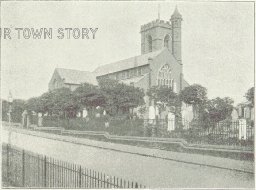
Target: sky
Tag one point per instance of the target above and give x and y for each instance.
(217, 42)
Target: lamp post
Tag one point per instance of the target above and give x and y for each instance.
(10, 100)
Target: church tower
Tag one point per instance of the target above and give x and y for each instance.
(176, 19)
(156, 35)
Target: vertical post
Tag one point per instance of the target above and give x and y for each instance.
(45, 174)
(80, 176)
(86, 178)
(95, 182)
(23, 168)
(98, 179)
(7, 160)
(90, 178)
(101, 180)
(104, 181)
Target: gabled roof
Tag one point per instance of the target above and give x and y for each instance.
(71, 76)
(126, 63)
(185, 83)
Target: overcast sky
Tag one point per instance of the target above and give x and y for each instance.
(217, 42)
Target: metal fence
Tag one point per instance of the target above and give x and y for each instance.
(21, 168)
(227, 133)
(223, 133)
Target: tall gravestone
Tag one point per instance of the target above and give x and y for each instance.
(40, 119)
(242, 129)
(24, 118)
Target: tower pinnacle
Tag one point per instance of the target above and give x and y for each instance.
(158, 11)
(176, 14)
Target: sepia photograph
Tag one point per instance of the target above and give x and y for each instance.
(127, 94)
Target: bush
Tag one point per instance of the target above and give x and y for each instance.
(120, 126)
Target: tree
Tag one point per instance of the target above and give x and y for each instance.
(35, 104)
(164, 95)
(218, 109)
(195, 95)
(59, 102)
(88, 96)
(130, 97)
(119, 96)
(18, 106)
(250, 96)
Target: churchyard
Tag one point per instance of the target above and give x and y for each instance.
(121, 110)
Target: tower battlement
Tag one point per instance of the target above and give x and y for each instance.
(156, 23)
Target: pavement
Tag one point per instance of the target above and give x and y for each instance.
(200, 170)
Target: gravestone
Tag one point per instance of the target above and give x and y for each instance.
(85, 113)
(151, 114)
(40, 120)
(28, 120)
(242, 129)
(171, 121)
(234, 115)
(24, 118)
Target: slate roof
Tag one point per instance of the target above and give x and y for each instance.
(133, 80)
(71, 76)
(126, 63)
(77, 77)
(185, 83)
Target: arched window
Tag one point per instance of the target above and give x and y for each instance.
(166, 41)
(164, 76)
(149, 43)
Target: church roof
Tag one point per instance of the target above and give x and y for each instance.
(126, 63)
(132, 80)
(185, 83)
(71, 76)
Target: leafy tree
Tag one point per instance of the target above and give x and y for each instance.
(250, 96)
(41, 104)
(35, 104)
(18, 106)
(218, 109)
(62, 102)
(120, 97)
(195, 95)
(88, 96)
(130, 97)
(59, 102)
(5, 110)
(164, 95)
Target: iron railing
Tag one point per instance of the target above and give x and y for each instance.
(21, 168)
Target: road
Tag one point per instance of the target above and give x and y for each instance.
(149, 171)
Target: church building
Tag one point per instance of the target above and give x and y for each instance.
(160, 62)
